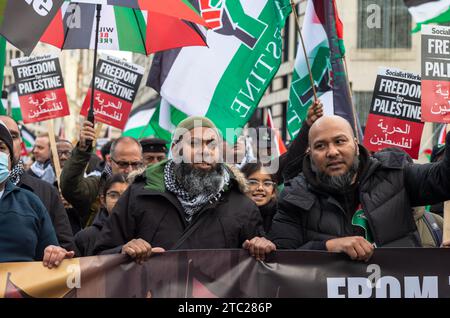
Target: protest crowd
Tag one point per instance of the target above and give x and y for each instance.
(331, 190)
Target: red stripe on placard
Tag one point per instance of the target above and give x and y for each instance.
(108, 109)
(387, 132)
(435, 101)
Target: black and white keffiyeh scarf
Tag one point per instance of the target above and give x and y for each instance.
(191, 205)
(17, 172)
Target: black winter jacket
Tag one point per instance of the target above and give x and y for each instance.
(86, 238)
(307, 216)
(155, 215)
(51, 200)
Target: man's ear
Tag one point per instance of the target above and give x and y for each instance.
(308, 150)
(357, 146)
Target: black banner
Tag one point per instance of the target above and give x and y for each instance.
(391, 273)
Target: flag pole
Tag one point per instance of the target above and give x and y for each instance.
(446, 228)
(90, 116)
(351, 100)
(299, 30)
(54, 150)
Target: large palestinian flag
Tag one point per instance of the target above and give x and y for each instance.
(226, 80)
(138, 124)
(323, 35)
(428, 11)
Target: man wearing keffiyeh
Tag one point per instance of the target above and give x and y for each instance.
(192, 201)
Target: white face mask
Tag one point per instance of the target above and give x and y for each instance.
(4, 167)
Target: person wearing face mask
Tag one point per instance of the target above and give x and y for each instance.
(26, 231)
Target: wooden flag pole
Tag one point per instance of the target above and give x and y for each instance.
(351, 100)
(446, 230)
(299, 30)
(98, 130)
(51, 137)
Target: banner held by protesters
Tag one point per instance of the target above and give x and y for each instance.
(395, 116)
(200, 273)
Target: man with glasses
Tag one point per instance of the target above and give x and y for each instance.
(81, 192)
(192, 201)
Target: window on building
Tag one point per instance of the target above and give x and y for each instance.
(393, 30)
(362, 102)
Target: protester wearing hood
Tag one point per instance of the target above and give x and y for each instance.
(81, 192)
(114, 187)
(345, 201)
(262, 191)
(190, 202)
(26, 232)
(47, 193)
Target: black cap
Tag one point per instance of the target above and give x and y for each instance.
(436, 152)
(7, 139)
(154, 145)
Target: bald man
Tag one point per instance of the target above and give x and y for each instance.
(346, 201)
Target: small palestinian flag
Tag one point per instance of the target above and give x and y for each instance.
(428, 11)
(28, 138)
(279, 144)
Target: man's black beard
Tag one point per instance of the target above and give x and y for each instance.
(337, 182)
(197, 181)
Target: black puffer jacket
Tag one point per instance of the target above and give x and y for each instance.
(307, 216)
(86, 238)
(148, 211)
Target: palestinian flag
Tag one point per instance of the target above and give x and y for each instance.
(323, 35)
(428, 11)
(279, 144)
(22, 23)
(138, 124)
(28, 138)
(16, 112)
(442, 135)
(226, 80)
(165, 119)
